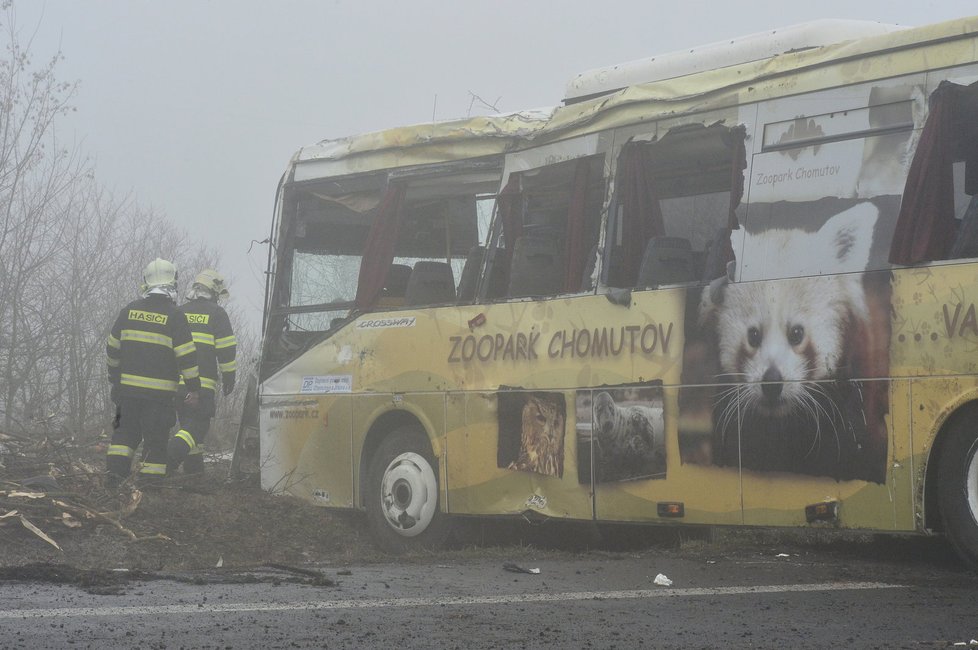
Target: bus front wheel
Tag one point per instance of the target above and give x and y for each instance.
(958, 491)
(402, 493)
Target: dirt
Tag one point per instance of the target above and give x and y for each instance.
(185, 525)
(211, 528)
(55, 489)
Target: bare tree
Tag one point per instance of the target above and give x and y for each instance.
(71, 256)
(37, 175)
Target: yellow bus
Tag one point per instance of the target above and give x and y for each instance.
(734, 286)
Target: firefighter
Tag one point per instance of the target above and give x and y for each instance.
(149, 348)
(216, 349)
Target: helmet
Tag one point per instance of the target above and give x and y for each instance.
(159, 273)
(212, 281)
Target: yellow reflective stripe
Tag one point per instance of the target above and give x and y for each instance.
(203, 337)
(113, 363)
(186, 348)
(157, 469)
(226, 342)
(184, 435)
(205, 382)
(120, 450)
(196, 451)
(147, 337)
(191, 373)
(229, 366)
(148, 382)
(113, 342)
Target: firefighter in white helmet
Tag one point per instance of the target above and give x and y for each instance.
(149, 349)
(216, 351)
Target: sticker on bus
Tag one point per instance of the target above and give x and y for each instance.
(326, 384)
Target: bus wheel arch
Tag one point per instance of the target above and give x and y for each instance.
(951, 482)
(400, 484)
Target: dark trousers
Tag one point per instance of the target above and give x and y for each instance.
(187, 444)
(146, 421)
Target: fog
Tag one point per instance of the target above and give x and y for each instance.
(194, 108)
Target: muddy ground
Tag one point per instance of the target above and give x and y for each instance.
(187, 525)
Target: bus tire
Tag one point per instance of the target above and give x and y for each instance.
(957, 490)
(402, 493)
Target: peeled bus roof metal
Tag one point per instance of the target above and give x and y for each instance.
(721, 54)
(890, 54)
(931, 47)
(418, 144)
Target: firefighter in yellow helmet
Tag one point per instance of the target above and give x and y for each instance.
(148, 350)
(216, 350)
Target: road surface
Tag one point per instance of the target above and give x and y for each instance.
(756, 600)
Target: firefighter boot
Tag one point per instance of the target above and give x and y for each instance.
(118, 462)
(178, 449)
(194, 464)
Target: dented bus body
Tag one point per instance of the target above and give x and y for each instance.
(738, 295)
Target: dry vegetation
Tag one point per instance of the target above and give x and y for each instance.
(56, 509)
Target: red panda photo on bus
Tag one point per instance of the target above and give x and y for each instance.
(791, 357)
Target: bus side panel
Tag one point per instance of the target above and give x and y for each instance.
(538, 372)
(935, 341)
(710, 495)
(484, 455)
(306, 448)
(780, 499)
(905, 485)
(427, 409)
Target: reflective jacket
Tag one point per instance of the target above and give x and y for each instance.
(215, 341)
(149, 348)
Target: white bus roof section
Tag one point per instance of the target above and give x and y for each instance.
(419, 144)
(907, 51)
(722, 54)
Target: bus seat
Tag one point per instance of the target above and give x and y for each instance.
(431, 283)
(667, 260)
(470, 274)
(397, 280)
(395, 286)
(537, 268)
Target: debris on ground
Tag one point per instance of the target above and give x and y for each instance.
(55, 508)
(662, 580)
(515, 568)
(70, 493)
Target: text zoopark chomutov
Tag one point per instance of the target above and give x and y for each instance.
(650, 338)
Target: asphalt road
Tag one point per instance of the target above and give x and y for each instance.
(598, 601)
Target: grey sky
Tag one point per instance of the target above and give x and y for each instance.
(195, 107)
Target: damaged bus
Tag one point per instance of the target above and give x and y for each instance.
(734, 286)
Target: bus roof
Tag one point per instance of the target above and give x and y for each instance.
(889, 51)
(722, 54)
(907, 51)
(419, 144)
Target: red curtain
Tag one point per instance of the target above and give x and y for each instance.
(575, 255)
(378, 253)
(642, 216)
(926, 226)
